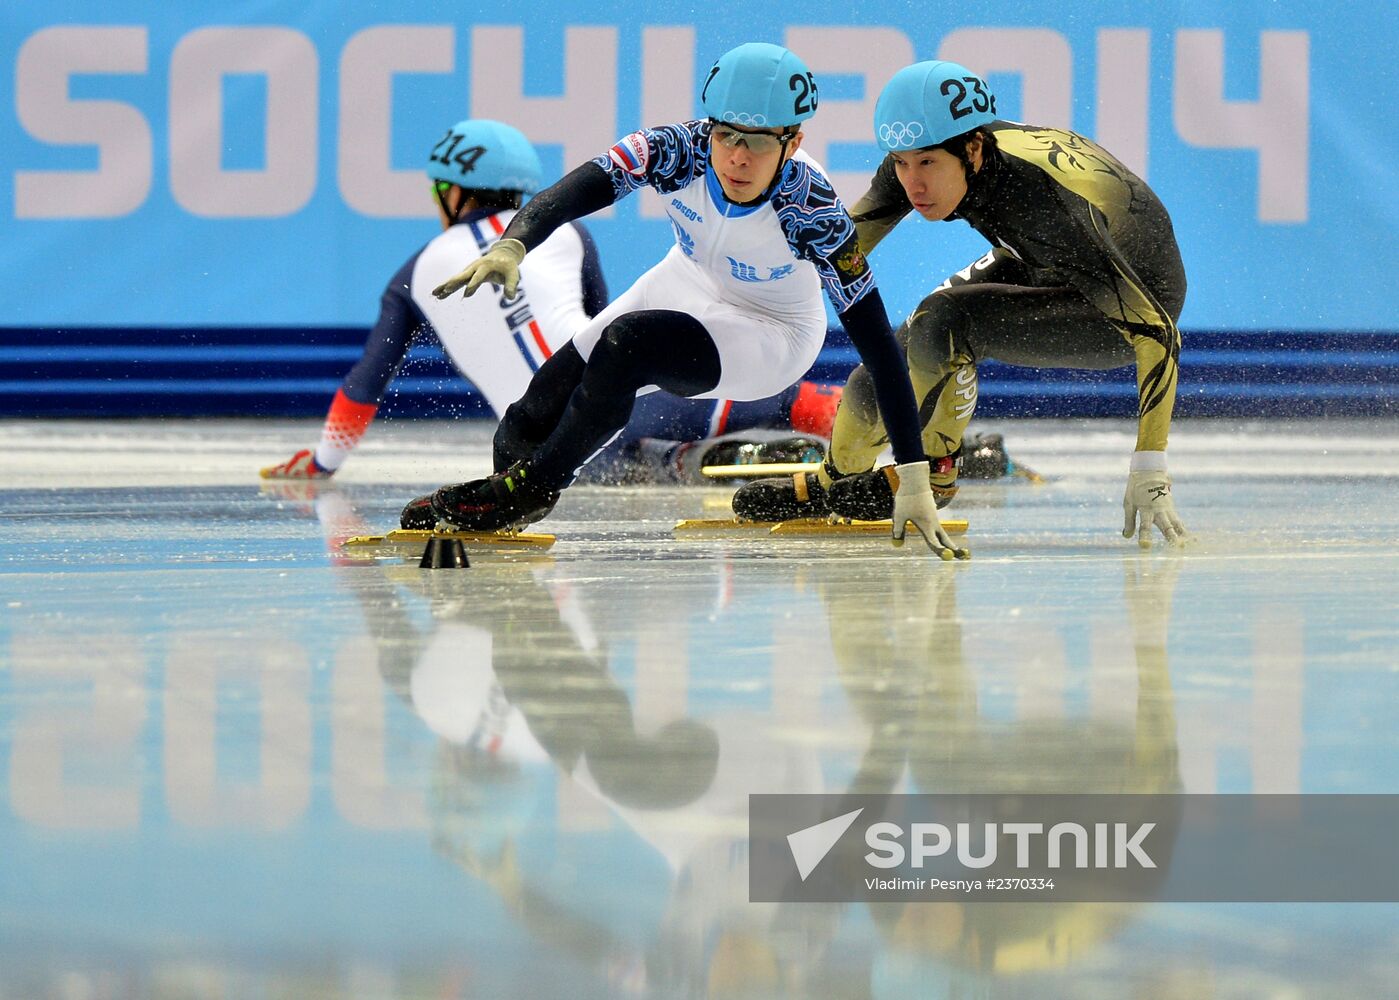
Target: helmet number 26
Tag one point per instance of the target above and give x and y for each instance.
(804, 89)
(958, 107)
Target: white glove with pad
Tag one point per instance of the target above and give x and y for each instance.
(1148, 501)
(914, 501)
(499, 265)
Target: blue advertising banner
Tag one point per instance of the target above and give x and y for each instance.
(259, 163)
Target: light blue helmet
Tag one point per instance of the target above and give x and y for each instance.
(759, 85)
(482, 155)
(930, 102)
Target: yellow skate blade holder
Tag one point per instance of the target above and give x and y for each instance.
(758, 470)
(776, 469)
(808, 526)
(412, 540)
(801, 527)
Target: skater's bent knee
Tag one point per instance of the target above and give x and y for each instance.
(660, 347)
(859, 397)
(940, 331)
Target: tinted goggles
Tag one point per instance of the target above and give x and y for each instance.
(756, 142)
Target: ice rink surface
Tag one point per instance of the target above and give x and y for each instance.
(234, 763)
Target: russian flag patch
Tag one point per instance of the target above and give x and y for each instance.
(632, 154)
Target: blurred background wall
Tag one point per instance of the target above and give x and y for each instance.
(202, 203)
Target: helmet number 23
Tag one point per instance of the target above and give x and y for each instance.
(958, 107)
(464, 158)
(804, 89)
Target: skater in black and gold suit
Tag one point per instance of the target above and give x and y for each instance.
(1084, 273)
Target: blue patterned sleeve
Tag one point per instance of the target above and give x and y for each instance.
(667, 157)
(820, 230)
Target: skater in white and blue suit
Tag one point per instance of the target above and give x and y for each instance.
(480, 172)
(734, 309)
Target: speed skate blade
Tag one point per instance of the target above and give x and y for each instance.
(805, 527)
(759, 470)
(798, 527)
(772, 470)
(714, 525)
(410, 541)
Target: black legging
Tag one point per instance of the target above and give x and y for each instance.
(996, 309)
(1005, 312)
(573, 408)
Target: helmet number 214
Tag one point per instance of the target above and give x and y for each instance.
(465, 158)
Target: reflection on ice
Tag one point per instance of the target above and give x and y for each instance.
(237, 764)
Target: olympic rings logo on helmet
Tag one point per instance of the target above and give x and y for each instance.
(901, 133)
(743, 118)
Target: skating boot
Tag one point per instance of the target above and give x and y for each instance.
(741, 451)
(984, 457)
(869, 496)
(418, 514)
(798, 495)
(506, 499)
(302, 465)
